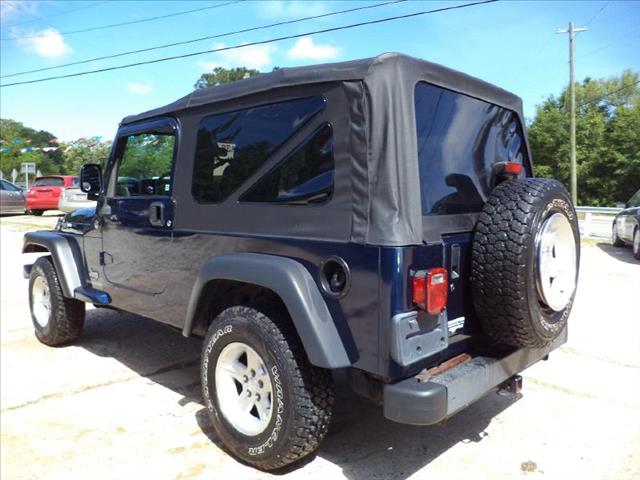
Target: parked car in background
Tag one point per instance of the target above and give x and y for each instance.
(626, 226)
(11, 198)
(45, 192)
(72, 199)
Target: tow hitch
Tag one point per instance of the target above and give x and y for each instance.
(512, 386)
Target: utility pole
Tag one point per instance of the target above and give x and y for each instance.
(572, 89)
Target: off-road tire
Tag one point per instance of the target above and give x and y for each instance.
(301, 414)
(503, 270)
(66, 315)
(615, 240)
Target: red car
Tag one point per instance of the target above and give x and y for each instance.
(45, 192)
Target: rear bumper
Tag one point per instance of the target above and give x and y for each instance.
(418, 402)
(42, 203)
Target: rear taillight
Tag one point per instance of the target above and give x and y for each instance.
(430, 288)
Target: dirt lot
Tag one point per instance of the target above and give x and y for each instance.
(125, 401)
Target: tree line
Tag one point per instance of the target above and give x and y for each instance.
(607, 133)
(20, 144)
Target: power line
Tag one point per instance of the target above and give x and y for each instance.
(208, 37)
(598, 13)
(261, 42)
(596, 100)
(132, 22)
(59, 14)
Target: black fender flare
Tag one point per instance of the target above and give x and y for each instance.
(66, 254)
(295, 286)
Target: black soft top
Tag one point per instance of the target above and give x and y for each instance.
(380, 185)
(373, 70)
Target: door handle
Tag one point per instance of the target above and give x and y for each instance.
(156, 214)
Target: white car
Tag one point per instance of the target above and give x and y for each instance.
(72, 199)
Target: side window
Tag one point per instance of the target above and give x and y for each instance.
(304, 177)
(144, 164)
(635, 200)
(9, 186)
(232, 146)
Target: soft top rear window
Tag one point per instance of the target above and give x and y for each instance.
(49, 182)
(460, 139)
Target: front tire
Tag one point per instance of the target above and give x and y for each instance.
(268, 404)
(615, 240)
(37, 213)
(57, 320)
(636, 244)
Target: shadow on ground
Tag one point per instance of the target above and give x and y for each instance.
(360, 440)
(623, 254)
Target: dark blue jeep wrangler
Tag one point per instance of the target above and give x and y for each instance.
(377, 216)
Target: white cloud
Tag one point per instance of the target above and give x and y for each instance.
(139, 88)
(306, 49)
(255, 56)
(16, 9)
(46, 43)
(282, 9)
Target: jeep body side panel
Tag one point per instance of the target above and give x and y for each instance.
(298, 291)
(66, 252)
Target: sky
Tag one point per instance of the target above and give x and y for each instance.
(511, 44)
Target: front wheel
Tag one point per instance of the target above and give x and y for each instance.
(57, 320)
(615, 240)
(636, 244)
(268, 404)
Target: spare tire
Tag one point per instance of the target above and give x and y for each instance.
(524, 265)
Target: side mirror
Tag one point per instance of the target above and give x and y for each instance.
(91, 180)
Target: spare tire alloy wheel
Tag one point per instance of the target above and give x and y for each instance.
(525, 258)
(556, 261)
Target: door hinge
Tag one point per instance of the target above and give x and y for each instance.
(105, 258)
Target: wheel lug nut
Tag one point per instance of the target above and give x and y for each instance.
(257, 397)
(260, 384)
(248, 393)
(253, 372)
(245, 379)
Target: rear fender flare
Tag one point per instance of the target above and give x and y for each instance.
(293, 283)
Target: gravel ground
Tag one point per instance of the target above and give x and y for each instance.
(125, 401)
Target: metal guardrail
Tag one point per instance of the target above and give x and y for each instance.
(597, 221)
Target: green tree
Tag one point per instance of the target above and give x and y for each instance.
(607, 138)
(81, 151)
(20, 144)
(221, 75)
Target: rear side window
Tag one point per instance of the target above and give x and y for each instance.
(304, 177)
(232, 146)
(49, 182)
(460, 139)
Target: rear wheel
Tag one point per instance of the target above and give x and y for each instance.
(636, 244)
(37, 213)
(525, 260)
(268, 404)
(615, 240)
(57, 320)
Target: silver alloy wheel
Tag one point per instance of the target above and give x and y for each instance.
(556, 262)
(41, 301)
(636, 242)
(244, 389)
